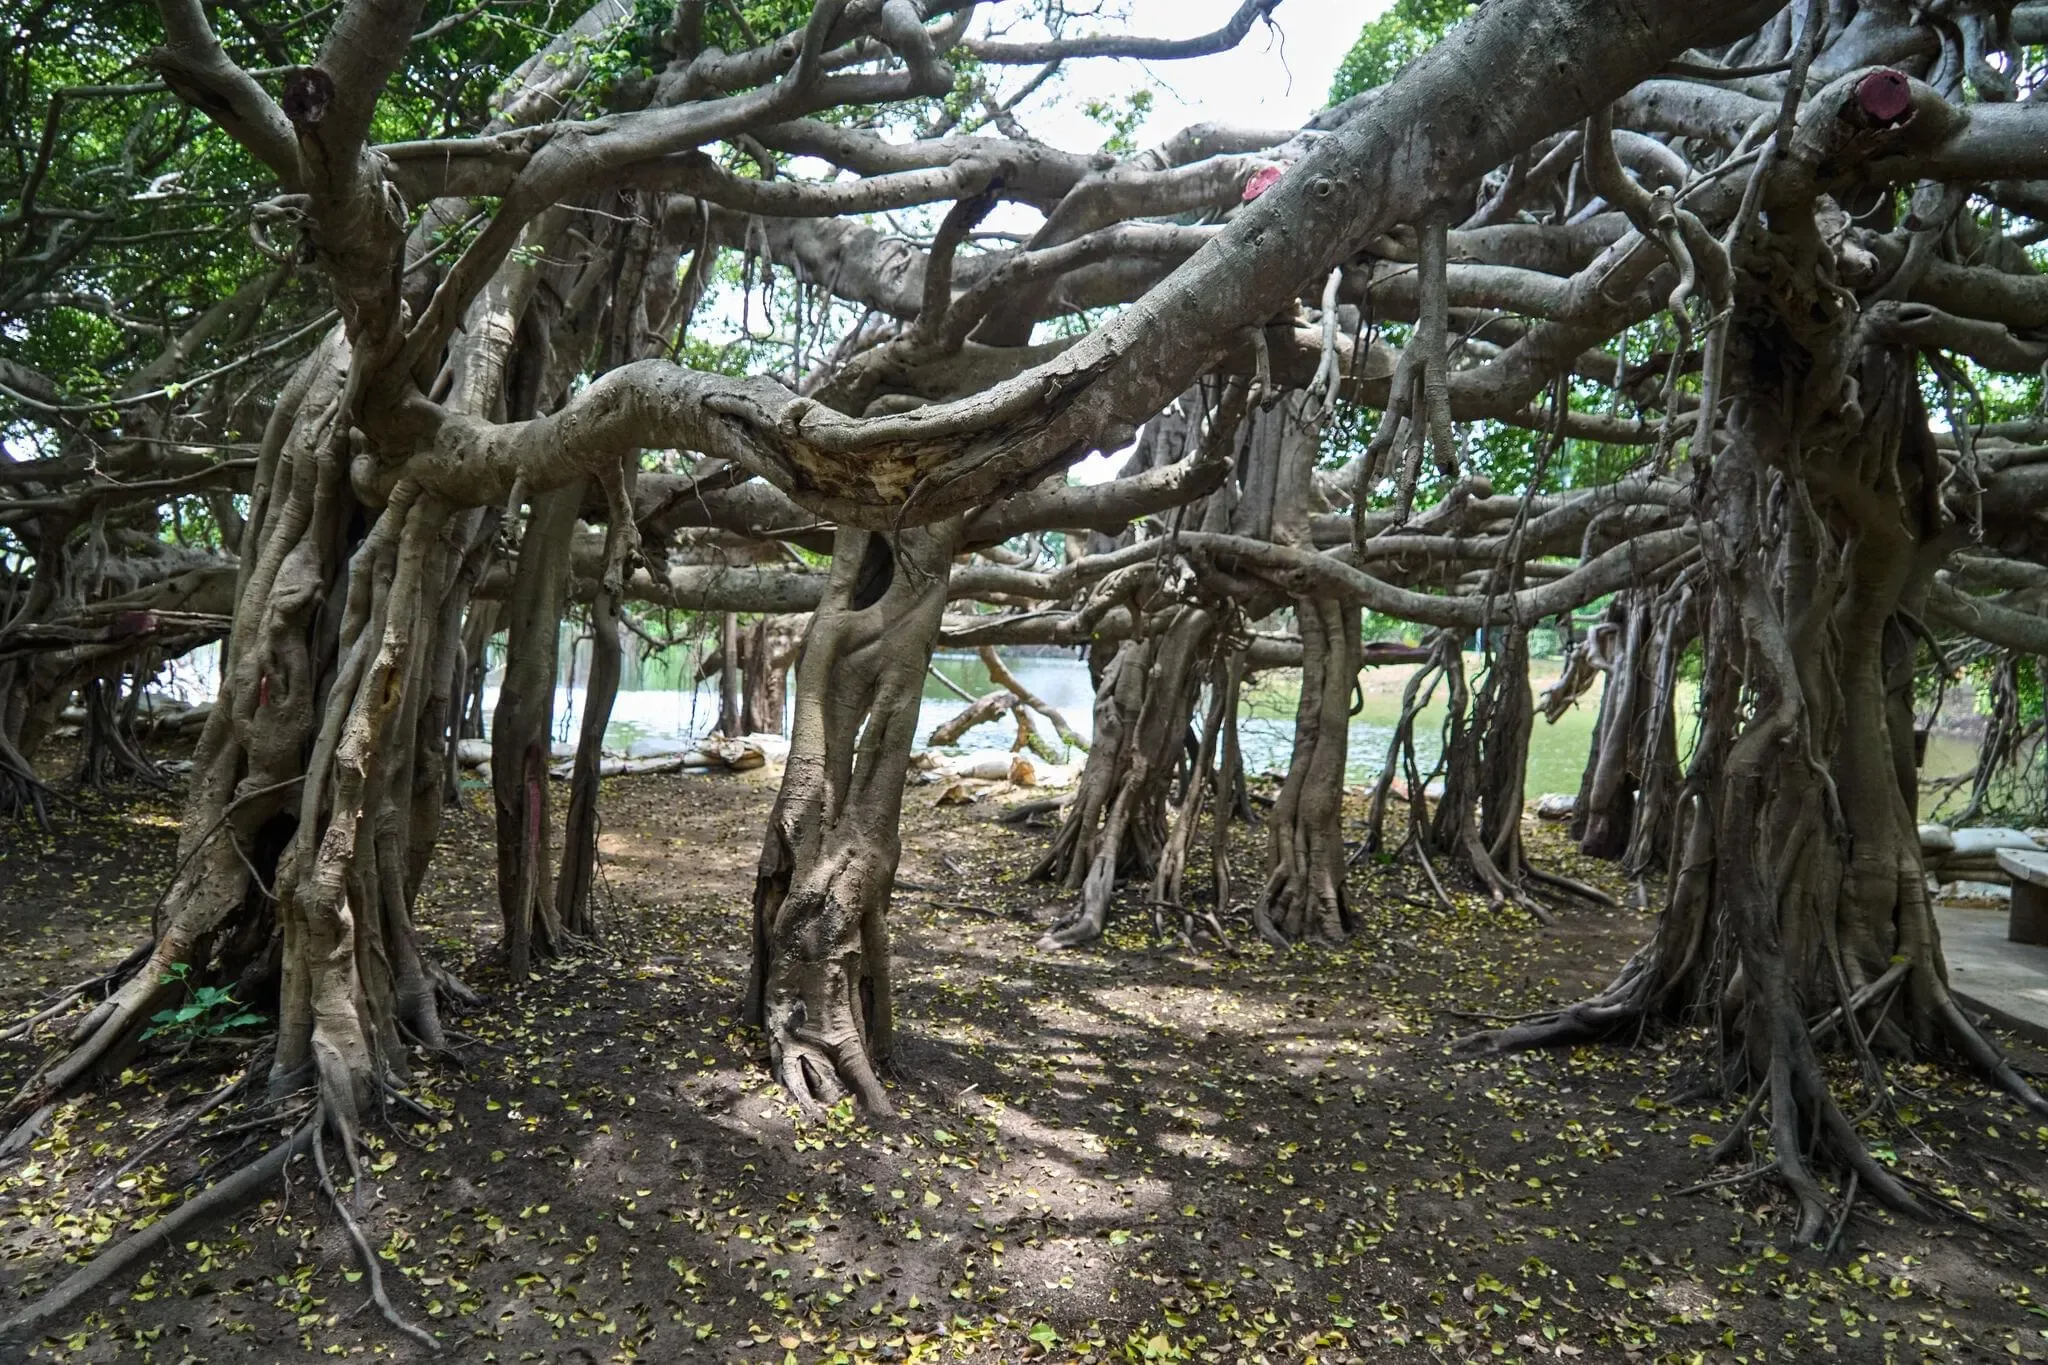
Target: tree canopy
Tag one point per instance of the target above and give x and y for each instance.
(352, 339)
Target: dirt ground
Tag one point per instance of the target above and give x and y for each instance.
(1130, 1152)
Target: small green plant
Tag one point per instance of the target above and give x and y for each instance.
(208, 1011)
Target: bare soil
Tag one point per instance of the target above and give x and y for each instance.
(1131, 1152)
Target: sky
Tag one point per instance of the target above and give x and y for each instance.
(1274, 78)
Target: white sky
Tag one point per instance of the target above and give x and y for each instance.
(1274, 78)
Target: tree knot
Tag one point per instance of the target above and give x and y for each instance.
(308, 94)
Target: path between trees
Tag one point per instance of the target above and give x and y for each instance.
(1131, 1153)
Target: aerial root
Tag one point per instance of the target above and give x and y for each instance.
(452, 988)
(1805, 1123)
(1737, 1137)
(1722, 1181)
(65, 998)
(1625, 1001)
(27, 1131)
(1893, 974)
(372, 1275)
(395, 1095)
(170, 1132)
(1842, 1222)
(222, 1199)
(1443, 897)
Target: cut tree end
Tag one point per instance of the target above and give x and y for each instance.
(1886, 97)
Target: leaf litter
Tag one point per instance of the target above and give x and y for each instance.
(1139, 1152)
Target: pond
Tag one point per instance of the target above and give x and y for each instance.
(657, 706)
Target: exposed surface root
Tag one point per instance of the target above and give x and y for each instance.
(373, 1275)
(220, 1200)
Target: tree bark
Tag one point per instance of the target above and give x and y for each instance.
(1304, 896)
(819, 984)
(520, 731)
(1801, 883)
(731, 722)
(579, 833)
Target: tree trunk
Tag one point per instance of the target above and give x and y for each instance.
(1117, 825)
(819, 984)
(579, 834)
(292, 884)
(1305, 861)
(520, 731)
(731, 720)
(1801, 885)
(765, 656)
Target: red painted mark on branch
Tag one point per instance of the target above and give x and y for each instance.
(1262, 179)
(1886, 96)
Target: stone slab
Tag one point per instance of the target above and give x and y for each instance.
(2023, 866)
(1991, 974)
(1984, 843)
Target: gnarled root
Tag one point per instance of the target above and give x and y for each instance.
(818, 1033)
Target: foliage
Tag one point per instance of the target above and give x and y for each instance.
(1390, 42)
(128, 210)
(1122, 118)
(208, 1011)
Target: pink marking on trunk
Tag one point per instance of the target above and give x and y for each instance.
(1886, 96)
(1262, 179)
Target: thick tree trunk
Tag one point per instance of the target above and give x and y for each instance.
(294, 878)
(819, 984)
(520, 731)
(1305, 861)
(1800, 886)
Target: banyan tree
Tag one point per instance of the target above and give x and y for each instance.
(1722, 320)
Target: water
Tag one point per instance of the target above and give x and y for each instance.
(666, 709)
(658, 705)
